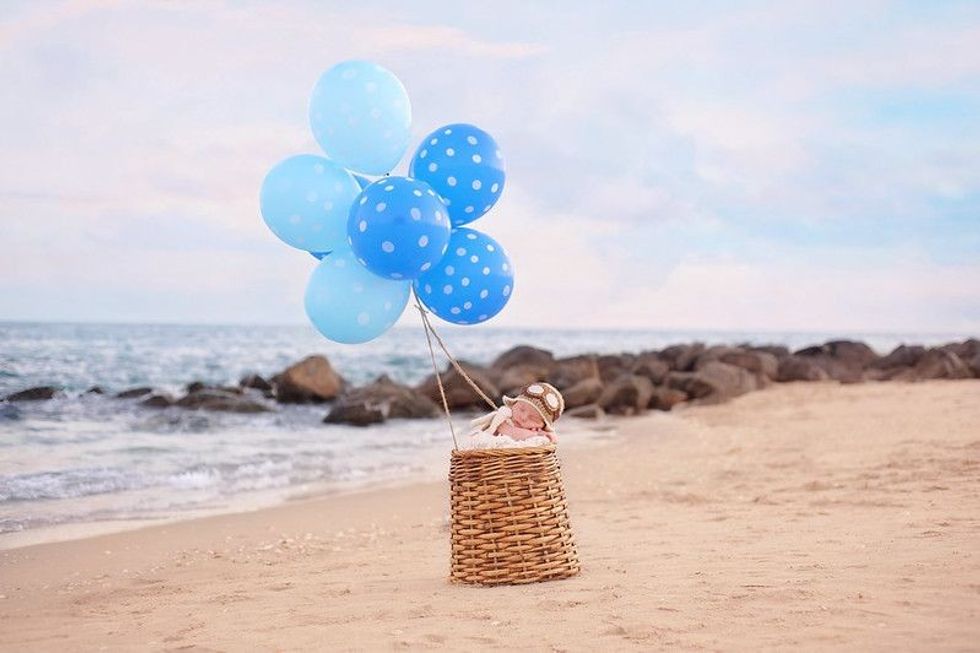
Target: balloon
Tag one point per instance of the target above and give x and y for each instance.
(471, 283)
(363, 182)
(305, 200)
(360, 116)
(463, 164)
(398, 228)
(348, 304)
(319, 255)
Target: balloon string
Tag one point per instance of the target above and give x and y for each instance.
(435, 369)
(453, 361)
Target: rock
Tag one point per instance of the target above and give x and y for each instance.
(664, 398)
(966, 350)
(195, 386)
(713, 382)
(681, 357)
(627, 395)
(459, 394)
(9, 412)
(842, 360)
(901, 356)
(38, 393)
(157, 400)
(384, 396)
(850, 352)
(133, 393)
(569, 371)
(256, 382)
(513, 380)
(613, 366)
(355, 414)
(524, 355)
(312, 380)
(974, 365)
(650, 366)
(589, 411)
(779, 351)
(761, 363)
(941, 363)
(800, 368)
(221, 400)
(586, 391)
(95, 390)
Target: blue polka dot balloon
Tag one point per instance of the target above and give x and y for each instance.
(361, 117)
(398, 228)
(471, 283)
(463, 164)
(305, 200)
(348, 304)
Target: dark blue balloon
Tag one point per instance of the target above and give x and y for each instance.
(471, 283)
(463, 164)
(398, 228)
(362, 181)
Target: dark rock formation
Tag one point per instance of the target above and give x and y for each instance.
(95, 390)
(681, 357)
(459, 394)
(134, 393)
(713, 382)
(586, 391)
(312, 380)
(383, 398)
(650, 365)
(629, 394)
(39, 393)
(256, 382)
(569, 371)
(941, 363)
(665, 398)
(800, 368)
(221, 400)
(157, 400)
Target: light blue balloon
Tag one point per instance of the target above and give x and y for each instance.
(361, 116)
(463, 164)
(472, 282)
(348, 304)
(305, 201)
(398, 228)
(363, 182)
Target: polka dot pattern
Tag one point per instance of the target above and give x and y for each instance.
(463, 291)
(400, 229)
(463, 164)
(361, 117)
(348, 304)
(304, 201)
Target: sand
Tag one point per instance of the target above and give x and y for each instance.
(804, 516)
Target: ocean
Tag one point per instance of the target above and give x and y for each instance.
(94, 459)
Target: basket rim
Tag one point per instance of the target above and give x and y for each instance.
(508, 451)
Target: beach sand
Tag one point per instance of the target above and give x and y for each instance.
(805, 516)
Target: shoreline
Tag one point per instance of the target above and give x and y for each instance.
(271, 499)
(810, 515)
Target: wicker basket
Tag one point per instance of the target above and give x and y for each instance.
(509, 517)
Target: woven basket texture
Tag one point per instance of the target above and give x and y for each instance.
(509, 517)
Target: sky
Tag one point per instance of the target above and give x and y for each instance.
(801, 166)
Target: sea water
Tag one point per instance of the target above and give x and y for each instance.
(86, 458)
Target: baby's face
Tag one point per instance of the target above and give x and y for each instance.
(526, 416)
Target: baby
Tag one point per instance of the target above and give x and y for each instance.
(530, 415)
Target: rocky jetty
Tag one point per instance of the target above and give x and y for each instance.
(593, 384)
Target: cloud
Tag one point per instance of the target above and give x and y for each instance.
(664, 163)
